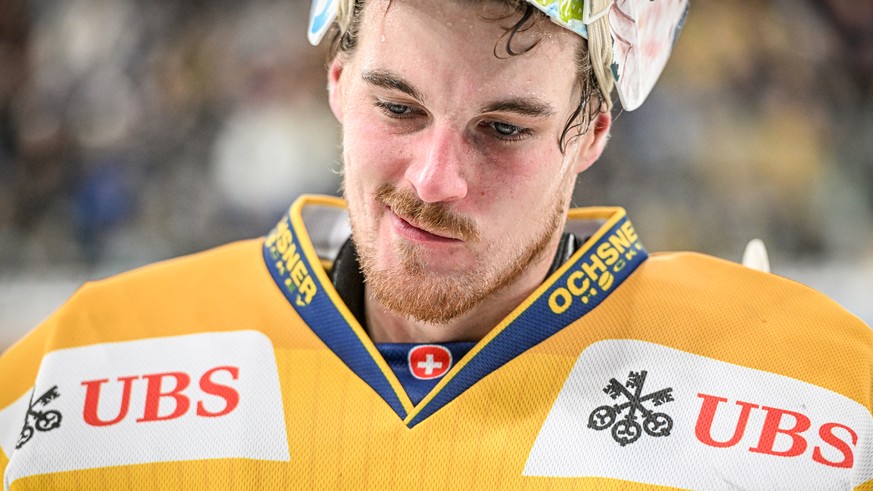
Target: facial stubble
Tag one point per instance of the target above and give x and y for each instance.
(413, 288)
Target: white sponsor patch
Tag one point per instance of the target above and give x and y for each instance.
(11, 422)
(683, 420)
(201, 396)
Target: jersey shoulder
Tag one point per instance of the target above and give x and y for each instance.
(206, 291)
(178, 287)
(726, 311)
(732, 288)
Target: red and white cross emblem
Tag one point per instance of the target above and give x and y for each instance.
(429, 361)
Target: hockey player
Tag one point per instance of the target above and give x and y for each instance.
(453, 323)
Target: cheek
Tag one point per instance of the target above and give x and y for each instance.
(371, 153)
(525, 178)
(524, 195)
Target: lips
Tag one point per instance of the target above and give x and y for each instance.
(416, 231)
(424, 222)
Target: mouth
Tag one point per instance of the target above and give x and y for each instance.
(411, 230)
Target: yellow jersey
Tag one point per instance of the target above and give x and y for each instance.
(241, 368)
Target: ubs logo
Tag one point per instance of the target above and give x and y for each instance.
(638, 418)
(38, 418)
(167, 396)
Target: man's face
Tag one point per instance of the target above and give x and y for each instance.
(453, 173)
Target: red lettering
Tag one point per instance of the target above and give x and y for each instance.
(154, 396)
(168, 388)
(771, 429)
(226, 392)
(826, 434)
(703, 430)
(840, 442)
(90, 412)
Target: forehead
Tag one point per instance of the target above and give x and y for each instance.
(465, 42)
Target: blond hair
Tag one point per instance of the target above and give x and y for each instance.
(345, 38)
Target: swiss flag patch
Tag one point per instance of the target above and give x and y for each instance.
(429, 361)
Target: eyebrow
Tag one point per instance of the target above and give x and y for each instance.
(387, 80)
(520, 105)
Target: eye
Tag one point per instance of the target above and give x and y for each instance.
(394, 109)
(507, 131)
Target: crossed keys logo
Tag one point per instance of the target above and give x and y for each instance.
(42, 420)
(629, 429)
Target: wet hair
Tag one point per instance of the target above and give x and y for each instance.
(591, 103)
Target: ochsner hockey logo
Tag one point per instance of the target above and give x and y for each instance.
(629, 429)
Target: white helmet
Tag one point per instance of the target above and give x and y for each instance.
(629, 41)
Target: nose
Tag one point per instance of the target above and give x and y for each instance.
(437, 172)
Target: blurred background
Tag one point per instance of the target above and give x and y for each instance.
(137, 130)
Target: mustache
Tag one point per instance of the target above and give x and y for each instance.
(433, 217)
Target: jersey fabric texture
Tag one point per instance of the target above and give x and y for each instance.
(241, 368)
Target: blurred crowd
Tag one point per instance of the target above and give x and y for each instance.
(762, 126)
(134, 130)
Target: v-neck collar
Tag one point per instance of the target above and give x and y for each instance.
(319, 224)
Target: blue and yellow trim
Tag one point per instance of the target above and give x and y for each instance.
(287, 250)
(595, 271)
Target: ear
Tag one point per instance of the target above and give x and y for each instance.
(594, 143)
(334, 88)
